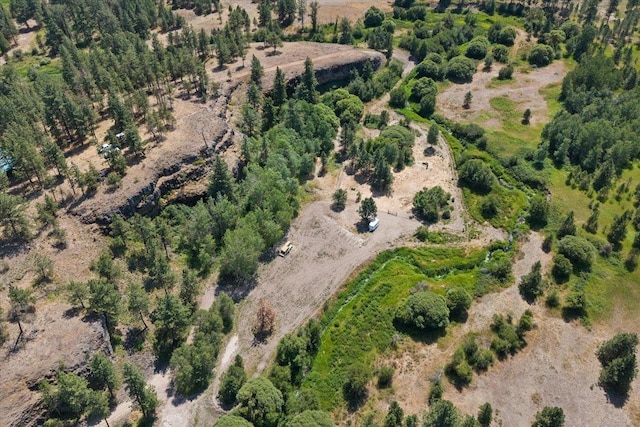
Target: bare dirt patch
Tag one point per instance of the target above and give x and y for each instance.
(25, 41)
(524, 92)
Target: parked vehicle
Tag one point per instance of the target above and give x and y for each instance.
(285, 249)
(373, 225)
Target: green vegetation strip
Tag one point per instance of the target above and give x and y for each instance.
(359, 324)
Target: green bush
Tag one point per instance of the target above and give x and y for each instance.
(458, 301)
(618, 359)
(489, 206)
(505, 73)
(428, 202)
(541, 55)
(578, 251)
(561, 270)
(311, 418)
(232, 421)
(500, 53)
(373, 17)
(476, 176)
(430, 69)
(425, 311)
(231, 382)
(478, 48)
(398, 98)
(530, 285)
(550, 416)
(192, 367)
(261, 403)
(461, 69)
(355, 387)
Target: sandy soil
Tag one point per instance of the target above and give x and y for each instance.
(524, 92)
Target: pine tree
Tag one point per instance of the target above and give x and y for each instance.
(143, 395)
(257, 71)
(279, 92)
(432, 136)
(314, 6)
(221, 181)
(103, 374)
(568, 227)
(307, 89)
(382, 177)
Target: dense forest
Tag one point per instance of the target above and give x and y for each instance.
(124, 62)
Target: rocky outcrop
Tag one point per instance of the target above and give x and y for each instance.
(56, 338)
(167, 170)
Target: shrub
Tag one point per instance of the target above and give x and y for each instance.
(232, 381)
(489, 206)
(458, 300)
(428, 68)
(425, 311)
(385, 377)
(435, 392)
(477, 48)
(505, 73)
(618, 359)
(261, 402)
(578, 251)
(373, 17)
(553, 299)
(398, 98)
(500, 53)
(355, 387)
(530, 285)
(192, 367)
(550, 416)
(311, 418)
(113, 180)
(339, 198)
(561, 270)
(461, 69)
(428, 202)
(541, 55)
(538, 212)
(423, 87)
(477, 176)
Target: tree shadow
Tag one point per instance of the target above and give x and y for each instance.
(362, 226)
(617, 399)
(72, 312)
(135, 339)
(237, 290)
(355, 403)
(570, 314)
(419, 335)
(260, 338)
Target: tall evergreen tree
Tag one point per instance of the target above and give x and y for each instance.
(143, 395)
(307, 89)
(279, 92)
(257, 71)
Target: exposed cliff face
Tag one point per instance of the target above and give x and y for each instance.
(167, 172)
